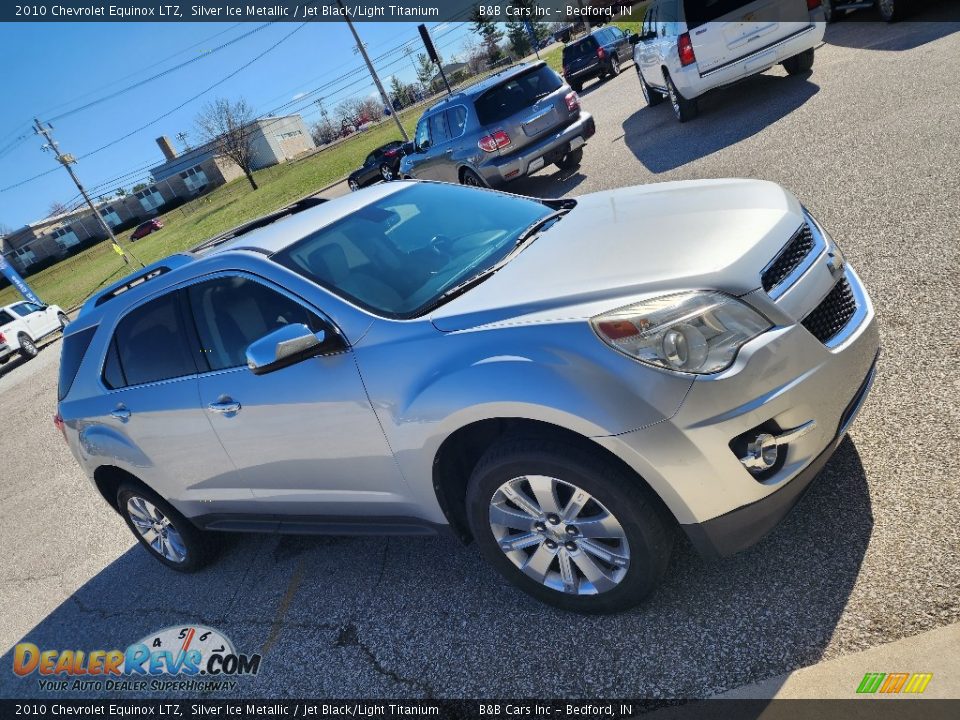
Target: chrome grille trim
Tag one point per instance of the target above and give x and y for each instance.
(808, 231)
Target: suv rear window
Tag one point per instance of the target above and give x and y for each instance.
(71, 355)
(579, 49)
(519, 92)
(698, 12)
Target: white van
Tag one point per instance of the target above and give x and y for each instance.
(688, 47)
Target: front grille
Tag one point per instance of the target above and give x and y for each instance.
(833, 314)
(790, 257)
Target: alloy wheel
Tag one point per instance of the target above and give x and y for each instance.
(674, 100)
(886, 8)
(614, 67)
(156, 529)
(559, 535)
(353, 185)
(386, 173)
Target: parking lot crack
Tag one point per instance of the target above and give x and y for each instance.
(350, 637)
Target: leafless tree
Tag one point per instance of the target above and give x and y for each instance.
(227, 125)
(57, 208)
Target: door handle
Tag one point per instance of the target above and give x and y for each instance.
(448, 151)
(224, 406)
(121, 413)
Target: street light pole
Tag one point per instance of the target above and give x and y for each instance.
(66, 159)
(373, 73)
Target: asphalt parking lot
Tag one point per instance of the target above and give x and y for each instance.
(869, 141)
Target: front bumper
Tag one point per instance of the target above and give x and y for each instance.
(535, 156)
(786, 377)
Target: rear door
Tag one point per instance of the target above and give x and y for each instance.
(580, 55)
(526, 106)
(724, 31)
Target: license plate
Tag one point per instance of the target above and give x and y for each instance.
(576, 142)
(535, 165)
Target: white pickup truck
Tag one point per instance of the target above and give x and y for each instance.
(22, 324)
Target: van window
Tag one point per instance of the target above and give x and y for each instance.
(516, 94)
(71, 355)
(421, 139)
(151, 343)
(456, 121)
(698, 12)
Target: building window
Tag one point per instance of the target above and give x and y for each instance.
(110, 216)
(25, 256)
(65, 237)
(194, 178)
(150, 199)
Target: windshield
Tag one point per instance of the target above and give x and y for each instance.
(402, 252)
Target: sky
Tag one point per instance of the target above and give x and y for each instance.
(56, 68)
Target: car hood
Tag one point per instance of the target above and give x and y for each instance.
(617, 247)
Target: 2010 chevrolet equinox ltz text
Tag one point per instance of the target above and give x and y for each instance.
(566, 382)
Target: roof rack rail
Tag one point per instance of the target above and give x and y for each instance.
(131, 281)
(257, 223)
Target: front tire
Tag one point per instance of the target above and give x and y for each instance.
(166, 534)
(354, 185)
(614, 69)
(650, 96)
(28, 349)
(799, 64)
(890, 10)
(683, 109)
(568, 526)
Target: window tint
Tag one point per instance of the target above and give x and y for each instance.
(22, 310)
(371, 159)
(5, 317)
(516, 94)
(421, 139)
(579, 49)
(698, 12)
(456, 120)
(438, 128)
(151, 343)
(233, 312)
(113, 376)
(71, 354)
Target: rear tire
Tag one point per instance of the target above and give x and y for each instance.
(609, 567)
(890, 10)
(354, 185)
(799, 63)
(165, 533)
(28, 349)
(577, 86)
(614, 68)
(469, 178)
(684, 109)
(571, 160)
(386, 172)
(650, 96)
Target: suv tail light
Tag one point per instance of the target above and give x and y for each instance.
(390, 153)
(685, 48)
(813, 4)
(572, 100)
(3, 338)
(494, 141)
(601, 53)
(58, 424)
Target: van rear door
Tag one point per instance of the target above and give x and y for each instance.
(724, 31)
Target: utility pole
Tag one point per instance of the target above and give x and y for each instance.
(182, 136)
(373, 74)
(66, 159)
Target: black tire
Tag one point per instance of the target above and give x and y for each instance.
(650, 96)
(199, 549)
(354, 185)
(571, 160)
(386, 173)
(828, 14)
(28, 349)
(799, 64)
(614, 68)
(683, 109)
(470, 178)
(577, 86)
(64, 320)
(648, 530)
(890, 10)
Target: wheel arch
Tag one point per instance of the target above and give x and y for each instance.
(460, 452)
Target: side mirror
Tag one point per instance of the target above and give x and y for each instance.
(634, 39)
(289, 345)
(422, 148)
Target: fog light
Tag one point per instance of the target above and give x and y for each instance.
(761, 453)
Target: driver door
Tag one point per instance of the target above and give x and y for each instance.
(304, 439)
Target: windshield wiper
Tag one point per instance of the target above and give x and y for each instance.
(535, 227)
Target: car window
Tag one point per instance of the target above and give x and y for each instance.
(399, 253)
(421, 138)
(21, 309)
(71, 354)
(151, 344)
(456, 120)
(33, 307)
(5, 317)
(649, 21)
(667, 18)
(579, 49)
(516, 94)
(233, 312)
(371, 158)
(698, 12)
(438, 128)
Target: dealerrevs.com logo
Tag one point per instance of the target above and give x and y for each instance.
(191, 658)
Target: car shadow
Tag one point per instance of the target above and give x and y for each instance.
(547, 183)
(727, 116)
(863, 29)
(409, 617)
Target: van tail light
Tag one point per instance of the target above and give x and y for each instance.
(685, 48)
(494, 141)
(813, 4)
(59, 425)
(572, 100)
(601, 54)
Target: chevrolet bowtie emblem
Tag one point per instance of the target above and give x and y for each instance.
(835, 264)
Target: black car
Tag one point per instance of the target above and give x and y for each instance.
(382, 164)
(598, 54)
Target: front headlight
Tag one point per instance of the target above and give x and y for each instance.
(695, 332)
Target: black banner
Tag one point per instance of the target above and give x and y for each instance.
(417, 11)
(854, 709)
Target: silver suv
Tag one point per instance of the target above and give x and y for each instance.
(507, 126)
(566, 382)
